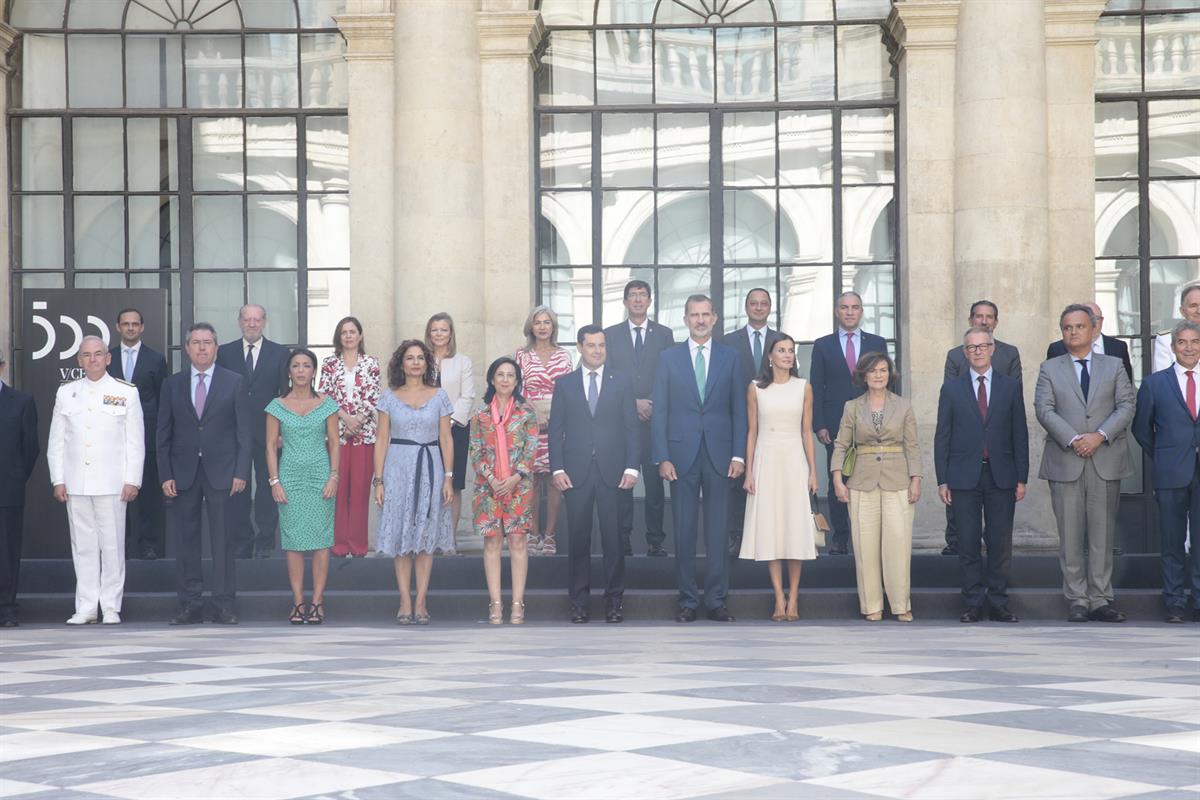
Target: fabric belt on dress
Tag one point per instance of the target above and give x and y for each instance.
(879, 448)
(426, 451)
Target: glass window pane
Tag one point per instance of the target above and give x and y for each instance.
(271, 225)
(803, 10)
(569, 293)
(565, 78)
(682, 11)
(674, 288)
(565, 150)
(95, 71)
(745, 65)
(1117, 218)
(214, 15)
(217, 296)
(683, 228)
(863, 9)
(806, 63)
(95, 14)
(1167, 5)
(328, 301)
(1116, 140)
(1119, 54)
(1172, 52)
(863, 69)
(1174, 217)
(1167, 279)
(217, 224)
(99, 280)
(37, 14)
(876, 284)
(805, 147)
(323, 70)
(1118, 293)
(806, 302)
(38, 222)
(566, 228)
(868, 146)
(153, 154)
(627, 150)
(749, 226)
(328, 142)
(682, 151)
(153, 71)
(738, 283)
(214, 71)
(1174, 127)
(140, 18)
(98, 145)
(269, 14)
(612, 290)
(748, 148)
(39, 141)
(628, 223)
(577, 12)
(805, 226)
(43, 72)
(683, 67)
(170, 282)
(100, 232)
(277, 291)
(217, 148)
(271, 71)
(271, 153)
(153, 232)
(748, 11)
(320, 13)
(868, 223)
(624, 66)
(328, 232)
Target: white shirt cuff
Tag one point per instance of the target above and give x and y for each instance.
(558, 472)
(632, 472)
(739, 459)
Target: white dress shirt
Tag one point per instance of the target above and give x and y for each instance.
(633, 326)
(125, 355)
(257, 350)
(844, 337)
(208, 374)
(987, 384)
(1181, 376)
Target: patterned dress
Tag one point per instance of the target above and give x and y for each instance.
(364, 397)
(413, 519)
(512, 514)
(306, 519)
(537, 384)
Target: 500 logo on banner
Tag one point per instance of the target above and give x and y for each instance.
(70, 324)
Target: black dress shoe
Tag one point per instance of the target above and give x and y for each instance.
(1107, 613)
(970, 615)
(578, 615)
(1196, 615)
(656, 551)
(1002, 614)
(686, 615)
(735, 547)
(838, 550)
(225, 618)
(187, 616)
(244, 552)
(1118, 551)
(628, 549)
(614, 614)
(1175, 616)
(1078, 614)
(149, 554)
(9, 622)
(949, 550)
(721, 614)
(264, 553)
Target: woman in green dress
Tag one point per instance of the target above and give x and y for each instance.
(304, 482)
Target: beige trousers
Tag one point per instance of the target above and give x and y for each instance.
(881, 524)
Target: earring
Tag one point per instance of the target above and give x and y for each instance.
(771, 364)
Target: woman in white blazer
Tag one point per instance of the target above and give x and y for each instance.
(455, 375)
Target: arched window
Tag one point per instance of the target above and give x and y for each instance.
(716, 146)
(194, 145)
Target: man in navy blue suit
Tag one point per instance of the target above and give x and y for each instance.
(699, 430)
(595, 450)
(834, 358)
(981, 455)
(19, 451)
(1167, 426)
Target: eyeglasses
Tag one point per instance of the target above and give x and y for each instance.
(979, 348)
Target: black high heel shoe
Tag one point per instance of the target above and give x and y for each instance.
(316, 614)
(299, 614)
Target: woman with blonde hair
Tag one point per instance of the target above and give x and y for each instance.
(455, 374)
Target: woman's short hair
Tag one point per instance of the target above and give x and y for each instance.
(868, 362)
(395, 368)
(491, 375)
(530, 340)
(337, 336)
(452, 345)
(766, 373)
(312, 359)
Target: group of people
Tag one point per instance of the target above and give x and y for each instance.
(727, 420)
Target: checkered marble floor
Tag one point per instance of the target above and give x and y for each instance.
(561, 712)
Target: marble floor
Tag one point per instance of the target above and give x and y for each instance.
(656, 711)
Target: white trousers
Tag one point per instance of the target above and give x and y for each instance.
(98, 550)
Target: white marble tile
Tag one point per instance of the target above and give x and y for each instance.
(979, 779)
(623, 732)
(299, 740)
(79, 716)
(870, 670)
(891, 684)
(214, 674)
(11, 788)
(911, 705)
(405, 683)
(641, 684)
(249, 659)
(35, 744)
(611, 775)
(266, 779)
(642, 670)
(107, 651)
(1167, 709)
(356, 707)
(149, 694)
(56, 664)
(18, 678)
(631, 702)
(1135, 688)
(1188, 741)
(943, 736)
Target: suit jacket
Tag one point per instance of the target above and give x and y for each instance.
(19, 448)
(1112, 347)
(958, 443)
(457, 377)
(831, 380)
(619, 344)
(610, 437)
(1062, 411)
(268, 381)
(888, 471)
(1166, 431)
(1006, 360)
(739, 340)
(149, 372)
(220, 440)
(681, 420)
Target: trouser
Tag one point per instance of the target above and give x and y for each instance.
(951, 528)
(98, 550)
(702, 479)
(261, 534)
(356, 465)
(839, 516)
(590, 492)
(144, 516)
(1086, 512)
(881, 523)
(1176, 508)
(188, 573)
(737, 511)
(984, 514)
(653, 503)
(12, 520)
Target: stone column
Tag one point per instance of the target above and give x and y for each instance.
(8, 35)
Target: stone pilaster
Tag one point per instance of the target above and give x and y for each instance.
(8, 36)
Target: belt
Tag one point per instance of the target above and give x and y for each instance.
(875, 449)
(425, 451)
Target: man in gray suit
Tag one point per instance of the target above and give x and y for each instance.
(1085, 402)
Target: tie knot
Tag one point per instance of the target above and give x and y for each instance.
(981, 379)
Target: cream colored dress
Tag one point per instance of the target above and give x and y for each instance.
(779, 521)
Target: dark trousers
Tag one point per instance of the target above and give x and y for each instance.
(951, 531)
(701, 479)
(189, 576)
(737, 510)
(984, 514)
(1176, 508)
(12, 519)
(653, 504)
(839, 515)
(266, 513)
(144, 516)
(592, 493)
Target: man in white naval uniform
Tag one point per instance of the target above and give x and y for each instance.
(96, 451)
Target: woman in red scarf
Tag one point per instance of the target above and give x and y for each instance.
(504, 440)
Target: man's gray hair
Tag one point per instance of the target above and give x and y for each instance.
(92, 338)
(849, 293)
(242, 310)
(1185, 325)
(978, 329)
(1187, 289)
(1078, 307)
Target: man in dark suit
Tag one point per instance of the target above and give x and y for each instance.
(633, 347)
(133, 361)
(1167, 426)
(699, 428)
(1006, 360)
(749, 342)
(981, 456)
(831, 374)
(19, 450)
(1103, 344)
(263, 367)
(594, 458)
(203, 460)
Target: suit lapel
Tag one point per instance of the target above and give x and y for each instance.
(1176, 392)
(1067, 371)
(973, 396)
(1099, 373)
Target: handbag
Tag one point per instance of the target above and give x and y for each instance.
(819, 522)
(541, 408)
(852, 451)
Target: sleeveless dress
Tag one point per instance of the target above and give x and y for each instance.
(413, 519)
(306, 519)
(779, 521)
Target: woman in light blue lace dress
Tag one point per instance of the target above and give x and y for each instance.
(412, 486)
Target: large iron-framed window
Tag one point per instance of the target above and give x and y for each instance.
(194, 145)
(714, 146)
